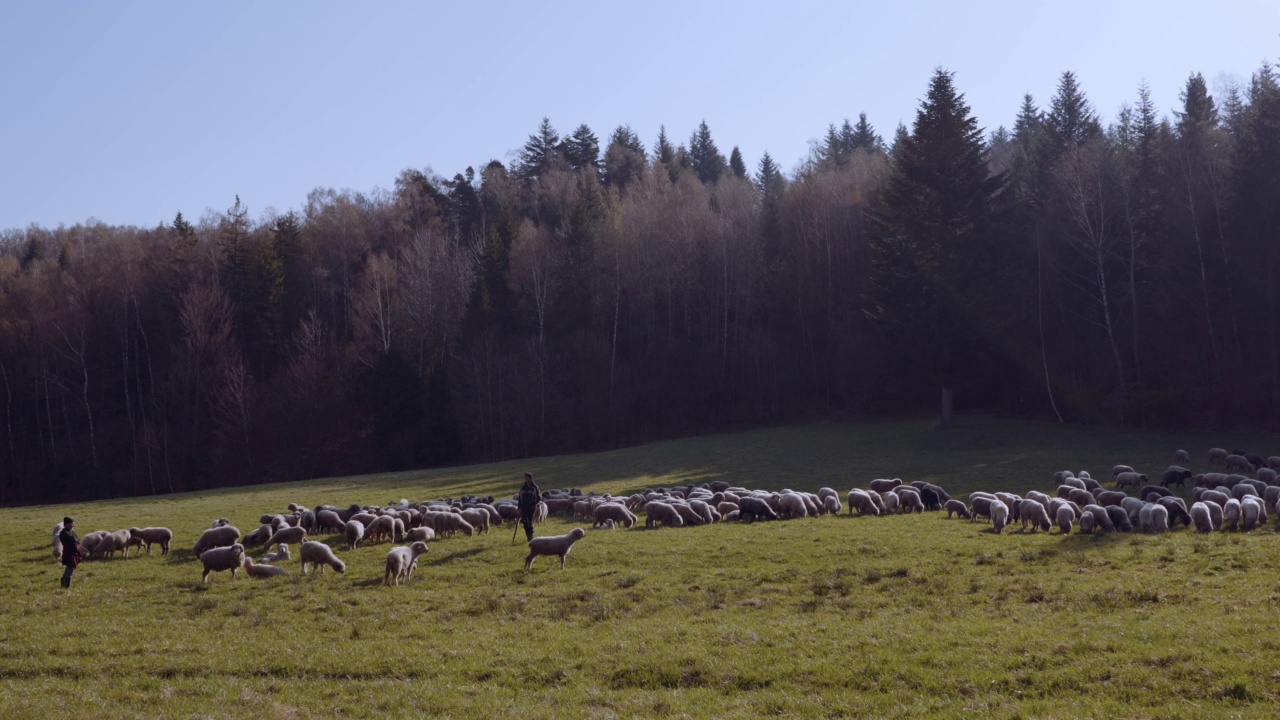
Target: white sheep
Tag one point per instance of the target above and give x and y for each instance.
(281, 553)
(1251, 513)
(316, 554)
(861, 501)
(1065, 517)
(957, 508)
(478, 518)
(662, 514)
(553, 545)
(1087, 523)
(882, 485)
(909, 499)
(792, 505)
(891, 503)
(161, 536)
(401, 561)
(262, 570)
(1181, 456)
(222, 558)
(57, 542)
(422, 534)
(1231, 514)
(1120, 469)
(540, 512)
(1218, 455)
(354, 532)
(1238, 462)
(999, 514)
(446, 524)
(1034, 512)
(616, 512)
(220, 536)
(1200, 518)
(287, 534)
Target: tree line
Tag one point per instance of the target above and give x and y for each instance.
(584, 298)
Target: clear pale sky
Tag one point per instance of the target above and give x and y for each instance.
(129, 112)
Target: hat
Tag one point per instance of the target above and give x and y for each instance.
(67, 521)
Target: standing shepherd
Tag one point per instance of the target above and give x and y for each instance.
(530, 496)
(71, 553)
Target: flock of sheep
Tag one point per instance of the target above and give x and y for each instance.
(1220, 500)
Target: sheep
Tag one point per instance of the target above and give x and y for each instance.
(1268, 476)
(1218, 455)
(1175, 475)
(1135, 479)
(1215, 513)
(420, 534)
(999, 515)
(1251, 514)
(316, 554)
(1273, 462)
(909, 499)
(1110, 497)
(1074, 482)
(382, 527)
(153, 535)
(1201, 518)
(1243, 489)
(882, 485)
(1034, 512)
(287, 534)
(1081, 497)
(1011, 501)
(221, 522)
(616, 512)
(664, 515)
(725, 507)
(1271, 495)
(330, 521)
(980, 505)
(1119, 518)
(1154, 518)
(1084, 475)
(1060, 477)
(1231, 514)
(221, 536)
(364, 518)
(1255, 460)
(957, 507)
(751, 508)
(1115, 471)
(1091, 485)
(861, 501)
(539, 513)
(688, 514)
(831, 504)
(553, 545)
(1239, 462)
(825, 492)
(1181, 456)
(1216, 496)
(89, 543)
(1148, 491)
(262, 570)
(111, 542)
(259, 536)
(709, 514)
(792, 505)
(401, 561)
(891, 503)
(281, 553)
(1177, 510)
(1065, 517)
(222, 558)
(1039, 497)
(929, 497)
(1100, 518)
(1132, 506)
(478, 518)
(1087, 523)
(354, 532)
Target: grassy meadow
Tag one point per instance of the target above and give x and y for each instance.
(908, 616)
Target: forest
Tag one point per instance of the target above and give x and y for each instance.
(592, 294)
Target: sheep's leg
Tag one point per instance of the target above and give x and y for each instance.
(205, 577)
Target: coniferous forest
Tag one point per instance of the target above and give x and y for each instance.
(603, 290)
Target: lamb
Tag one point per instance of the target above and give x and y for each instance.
(1065, 517)
(1239, 462)
(957, 508)
(262, 570)
(281, 553)
(1130, 478)
(999, 515)
(539, 513)
(665, 515)
(154, 535)
(287, 534)
(1218, 455)
(1181, 456)
(222, 558)
(57, 542)
(1201, 518)
(316, 554)
(1034, 512)
(355, 533)
(1175, 475)
(401, 562)
(553, 545)
(751, 508)
(882, 485)
(221, 536)
(616, 512)
(478, 518)
(1154, 518)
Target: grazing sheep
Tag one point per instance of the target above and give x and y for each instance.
(381, 528)
(1115, 471)
(401, 561)
(1218, 455)
(1273, 462)
(161, 536)
(792, 505)
(1231, 514)
(1084, 475)
(422, 534)
(1201, 518)
(881, 485)
(1251, 514)
(287, 534)
(752, 508)
(831, 504)
(1081, 497)
(1065, 517)
(1149, 490)
(999, 515)
(980, 505)
(329, 521)
(261, 570)
(1181, 456)
(1255, 460)
(1271, 495)
(314, 554)
(1175, 475)
(478, 518)
(1215, 496)
(1243, 489)
(112, 542)
(1132, 506)
(281, 553)
(1110, 497)
(1100, 518)
(447, 524)
(221, 536)
(1038, 497)
(222, 558)
(607, 525)
(861, 501)
(1087, 523)
(909, 499)
(663, 515)
(1059, 478)
(957, 508)
(709, 514)
(1092, 485)
(1074, 482)
(1154, 518)
(1215, 513)
(89, 543)
(1034, 512)
(725, 507)
(1119, 518)
(355, 533)
(259, 536)
(616, 512)
(1239, 462)
(1177, 510)
(1268, 476)
(1133, 479)
(891, 503)
(1011, 501)
(553, 545)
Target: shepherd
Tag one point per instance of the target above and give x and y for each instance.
(530, 496)
(71, 553)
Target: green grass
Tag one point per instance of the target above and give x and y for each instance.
(909, 616)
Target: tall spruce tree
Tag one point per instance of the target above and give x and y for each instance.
(541, 153)
(704, 157)
(862, 137)
(624, 160)
(582, 150)
(736, 164)
(934, 241)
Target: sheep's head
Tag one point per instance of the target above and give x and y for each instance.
(419, 548)
(577, 534)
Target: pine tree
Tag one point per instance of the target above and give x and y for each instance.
(933, 245)
(832, 153)
(863, 137)
(464, 212)
(1028, 121)
(736, 164)
(1071, 121)
(540, 154)
(662, 150)
(769, 178)
(233, 239)
(704, 157)
(624, 160)
(286, 236)
(582, 150)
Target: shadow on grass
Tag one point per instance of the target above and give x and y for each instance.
(446, 559)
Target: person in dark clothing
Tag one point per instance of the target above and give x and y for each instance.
(530, 496)
(71, 553)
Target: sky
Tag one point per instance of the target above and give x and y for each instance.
(129, 112)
